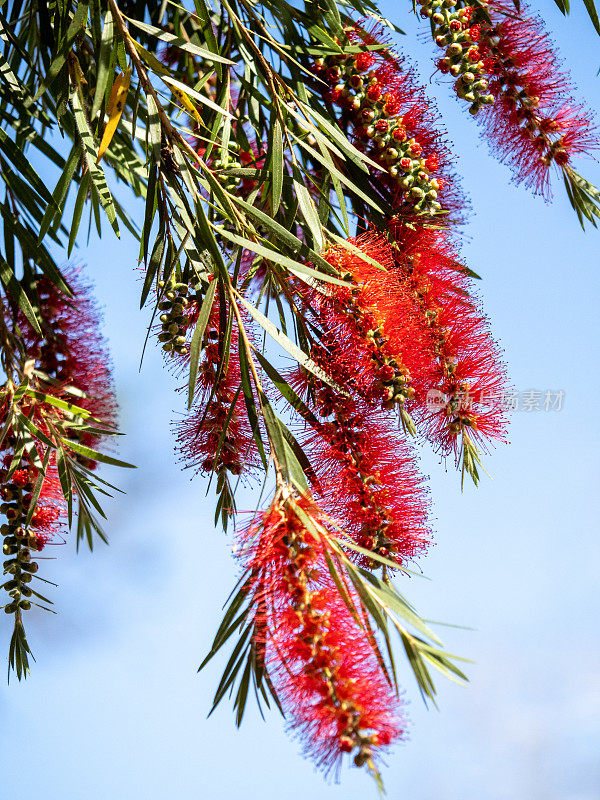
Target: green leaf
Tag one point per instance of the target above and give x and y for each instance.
(591, 9)
(309, 212)
(276, 165)
(182, 44)
(94, 455)
(16, 291)
(60, 192)
(82, 193)
(290, 347)
(197, 338)
(50, 399)
(286, 457)
(91, 154)
(154, 128)
(103, 63)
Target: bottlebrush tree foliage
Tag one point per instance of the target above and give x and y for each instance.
(300, 246)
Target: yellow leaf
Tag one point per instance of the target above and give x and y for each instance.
(114, 109)
(186, 103)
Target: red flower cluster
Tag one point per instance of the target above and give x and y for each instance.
(70, 363)
(374, 336)
(321, 662)
(412, 335)
(216, 435)
(508, 70)
(72, 352)
(366, 477)
(468, 380)
(393, 121)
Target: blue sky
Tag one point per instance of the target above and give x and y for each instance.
(114, 707)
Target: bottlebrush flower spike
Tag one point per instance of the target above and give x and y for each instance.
(394, 123)
(374, 343)
(73, 352)
(466, 403)
(367, 478)
(35, 515)
(373, 339)
(507, 69)
(320, 660)
(216, 435)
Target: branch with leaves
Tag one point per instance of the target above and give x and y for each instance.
(300, 248)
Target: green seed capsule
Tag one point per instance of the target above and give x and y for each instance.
(25, 605)
(10, 608)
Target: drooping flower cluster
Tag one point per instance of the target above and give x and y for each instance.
(320, 659)
(391, 118)
(507, 69)
(402, 348)
(366, 476)
(215, 435)
(468, 380)
(412, 334)
(73, 354)
(67, 365)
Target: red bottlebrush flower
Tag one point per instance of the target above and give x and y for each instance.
(367, 478)
(515, 86)
(216, 434)
(387, 91)
(73, 351)
(370, 326)
(468, 384)
(534, 123)
(320, 661)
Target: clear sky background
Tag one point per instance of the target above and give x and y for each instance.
(114, 708)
